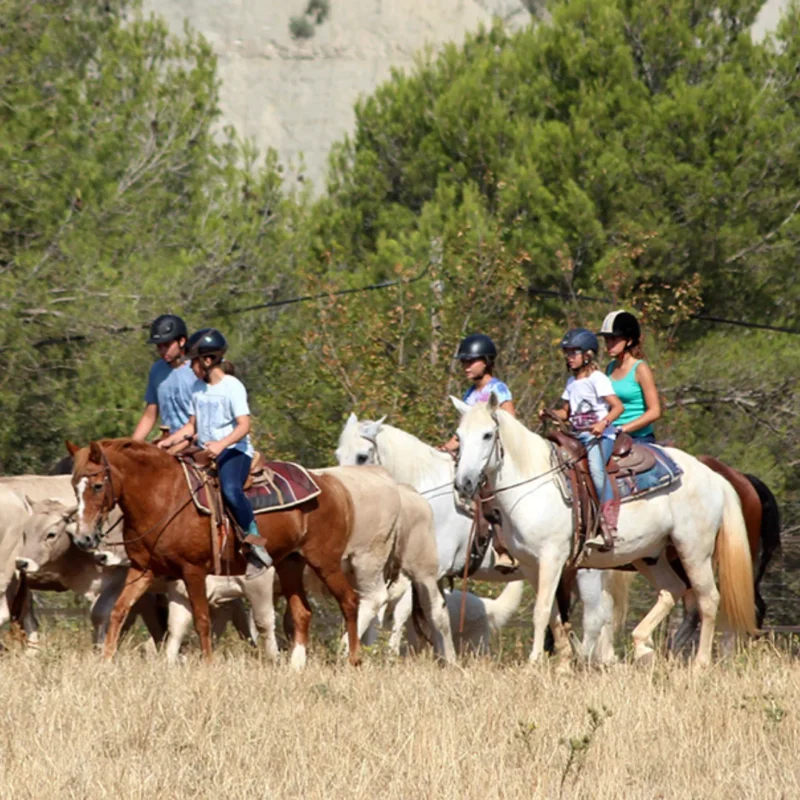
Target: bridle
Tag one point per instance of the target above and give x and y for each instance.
(104, 512)
(108, 489)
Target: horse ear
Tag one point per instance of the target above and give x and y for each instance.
(460, 405)
(352, 420)
(369, 430)
(72, 448)
(69, 513)
(95, 453)
(380, 422)
(493, 402)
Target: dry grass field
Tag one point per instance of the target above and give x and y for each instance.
(73, 727)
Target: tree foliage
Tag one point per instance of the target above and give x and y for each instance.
(642, 153)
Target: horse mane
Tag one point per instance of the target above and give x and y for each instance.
(526, 449)
(133, 448)
(408, 458)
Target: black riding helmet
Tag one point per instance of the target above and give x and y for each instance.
(580, 339)
(478, 345)
(624, 324)
(167, 328)
(206, 342)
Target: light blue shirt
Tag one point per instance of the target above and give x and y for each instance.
(215, 409)
(171, 390)
(495, 386)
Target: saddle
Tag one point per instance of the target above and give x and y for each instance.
(270, 486)
(634, 469)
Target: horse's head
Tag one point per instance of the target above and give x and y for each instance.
(97, 488)
(479, 451)
(358, 442)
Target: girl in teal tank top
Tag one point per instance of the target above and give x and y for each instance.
(631, 376)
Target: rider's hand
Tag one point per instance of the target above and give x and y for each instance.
(598, 428)
(215, 448)
(542, 413)
(163, 444)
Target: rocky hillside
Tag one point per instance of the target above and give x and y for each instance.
(297, 94)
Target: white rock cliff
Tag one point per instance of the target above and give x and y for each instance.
(297, 95)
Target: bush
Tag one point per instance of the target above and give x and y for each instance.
(301, 27)
(319, 10)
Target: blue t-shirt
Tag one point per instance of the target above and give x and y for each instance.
(215, 409)
(171, 390)
(495, 385)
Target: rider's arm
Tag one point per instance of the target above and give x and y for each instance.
(237, 434)
(615, 408)
(509, 407)
(645, 379)
(146, 423)
(188, 429)
(563, 412)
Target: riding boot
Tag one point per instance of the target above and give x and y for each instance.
(257, 556)
(609, 517)
(503, 560)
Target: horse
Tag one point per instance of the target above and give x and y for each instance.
(699, 515)
(164, 534)
(431, 473)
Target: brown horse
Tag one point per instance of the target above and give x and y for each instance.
(165, 535)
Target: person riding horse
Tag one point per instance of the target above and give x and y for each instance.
(170, 382)
(631, 377)
(220, 419)
(477, 354)
(591, 407)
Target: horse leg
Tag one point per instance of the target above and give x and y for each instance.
(546, 579)
(434, 607)
(137, 582)
(340, 588)
(242, 619)
(178, 621)
(147, 608)
(401, 617)
(195, 580)
(670, 590)
(290, 573)
(688, 626)
(598, 616)
(260, 592)
(705, 589)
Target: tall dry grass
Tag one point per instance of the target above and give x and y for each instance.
(71, 726)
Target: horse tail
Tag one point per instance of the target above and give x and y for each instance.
(619, 587)
(737, 593)
(770, 536)
(418, 617)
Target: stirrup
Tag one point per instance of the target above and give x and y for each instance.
(504, 562)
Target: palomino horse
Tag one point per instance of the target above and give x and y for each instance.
(165, 535)
(430, 472)
(700, 516)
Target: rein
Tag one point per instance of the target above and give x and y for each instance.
(109, 483)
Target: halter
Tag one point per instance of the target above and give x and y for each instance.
(108, 488)
(373, 441)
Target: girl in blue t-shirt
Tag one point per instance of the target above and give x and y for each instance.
(477, 354)
(221, 422)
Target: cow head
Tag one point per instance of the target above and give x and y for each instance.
(46, 535)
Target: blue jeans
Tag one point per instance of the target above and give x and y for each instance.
(234, 467)
(649, 438)
(599, 451)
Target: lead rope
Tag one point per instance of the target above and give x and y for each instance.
(470, 540)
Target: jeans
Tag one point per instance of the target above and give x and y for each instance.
(649, 438)
(234, 467)
(599, 451)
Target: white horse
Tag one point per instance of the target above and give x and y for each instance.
(431, 473)
(700, 516)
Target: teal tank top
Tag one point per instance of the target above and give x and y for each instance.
(632, 397)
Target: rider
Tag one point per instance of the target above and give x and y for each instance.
(477, 354)
(169, 385)
(220, 416)
(631, 377)
(591, 407)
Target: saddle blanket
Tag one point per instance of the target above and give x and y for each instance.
(279, 486)
(634, 486)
